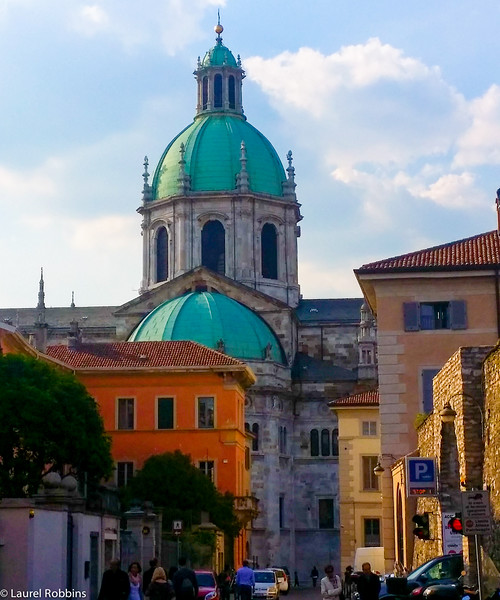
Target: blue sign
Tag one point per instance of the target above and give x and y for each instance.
(421, 476)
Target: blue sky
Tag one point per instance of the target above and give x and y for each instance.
(391, 109)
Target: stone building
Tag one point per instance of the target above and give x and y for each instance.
(220, 227)
(462, 434)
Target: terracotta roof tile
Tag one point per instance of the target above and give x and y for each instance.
(476, 252)
(369, 398)
(141, 354)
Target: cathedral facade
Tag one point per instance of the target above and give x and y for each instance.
(220, 228)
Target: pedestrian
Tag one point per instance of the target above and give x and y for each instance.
(347, 583)
(368, 584)
(115, 583)
(314, 575)
(331, 586)
(184, 582)
(148, 574)
(171, 572)
(135, 579)
(296, 578)
(159, 588)
(224, 582)
(245, 581)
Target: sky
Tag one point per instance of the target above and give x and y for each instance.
(391, 110)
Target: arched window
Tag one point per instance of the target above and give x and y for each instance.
(213, 247)
(314, 442)
(255, 441)
(269, 251)
(335, 442)
(161, 254)
(231, 92)
(325, 442)
(205, 92)
(218, 91)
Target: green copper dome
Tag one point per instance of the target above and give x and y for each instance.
(212, 153)
(211, 319)
(218, 56)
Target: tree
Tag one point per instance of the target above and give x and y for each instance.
(172, 482)
(47, 421)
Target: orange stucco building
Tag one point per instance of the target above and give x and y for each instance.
(158, 397)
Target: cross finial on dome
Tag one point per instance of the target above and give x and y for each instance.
(218, 29)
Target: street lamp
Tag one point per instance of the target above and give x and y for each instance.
(379, 469)
(447, 414)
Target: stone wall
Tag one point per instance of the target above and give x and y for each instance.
(457, 446)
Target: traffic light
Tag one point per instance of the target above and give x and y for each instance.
(455, 523)
(422, 526)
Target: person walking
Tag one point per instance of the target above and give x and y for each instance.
(296, 579)
(147, 576)
(314, 575)
(331, 586)
(115, 583)
(368, 584)
(347, 583)
(159, 588)
(245, 581)
(135, 580)
(184, 582)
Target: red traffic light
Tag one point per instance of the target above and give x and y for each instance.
(422, 526)
(455, 524)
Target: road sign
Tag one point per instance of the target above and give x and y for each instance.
(421, 476)
(452, 541)
(476, 517)
(177, 527)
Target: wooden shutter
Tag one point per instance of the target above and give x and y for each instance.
(458, 314)
(411, 315)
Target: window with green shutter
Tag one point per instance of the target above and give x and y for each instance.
(165, 413)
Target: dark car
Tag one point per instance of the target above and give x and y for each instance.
(445, 570)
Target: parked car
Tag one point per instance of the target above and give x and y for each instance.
(440, 570)
(266, 584)
(283, 581)
(207, 585)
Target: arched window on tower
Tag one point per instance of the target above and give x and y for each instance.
(335, 442)
(231, 91)
(161, 254)
(213, 247)
(218, 91)
(269, 251)
(325, 442)
(314, 442)
(255, 441)
(205, 93)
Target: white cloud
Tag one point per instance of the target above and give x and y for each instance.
(364, 103)
(455, 191)
(479, 144)
(91, 20)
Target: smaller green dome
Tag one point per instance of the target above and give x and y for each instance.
(214, 320)
(218, 56)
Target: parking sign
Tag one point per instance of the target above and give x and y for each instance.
(421, 476)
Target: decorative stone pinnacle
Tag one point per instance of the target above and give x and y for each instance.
(72, 300)
(184, 180)
(146, 190)
(242, 176)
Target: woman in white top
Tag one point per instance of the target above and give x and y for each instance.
(331, 586)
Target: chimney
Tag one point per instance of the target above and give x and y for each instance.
(74, 335)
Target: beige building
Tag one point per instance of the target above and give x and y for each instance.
(359, 493)
(427, 304)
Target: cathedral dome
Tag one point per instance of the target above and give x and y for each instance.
(215, 321)
(212, 155)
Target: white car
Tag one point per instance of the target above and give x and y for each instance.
(266, 585)
(283, 583)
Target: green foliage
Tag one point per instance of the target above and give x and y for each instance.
(172, 482)
(47, 420)
(419, 419)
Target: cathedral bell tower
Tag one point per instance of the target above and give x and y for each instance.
(220, 197)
